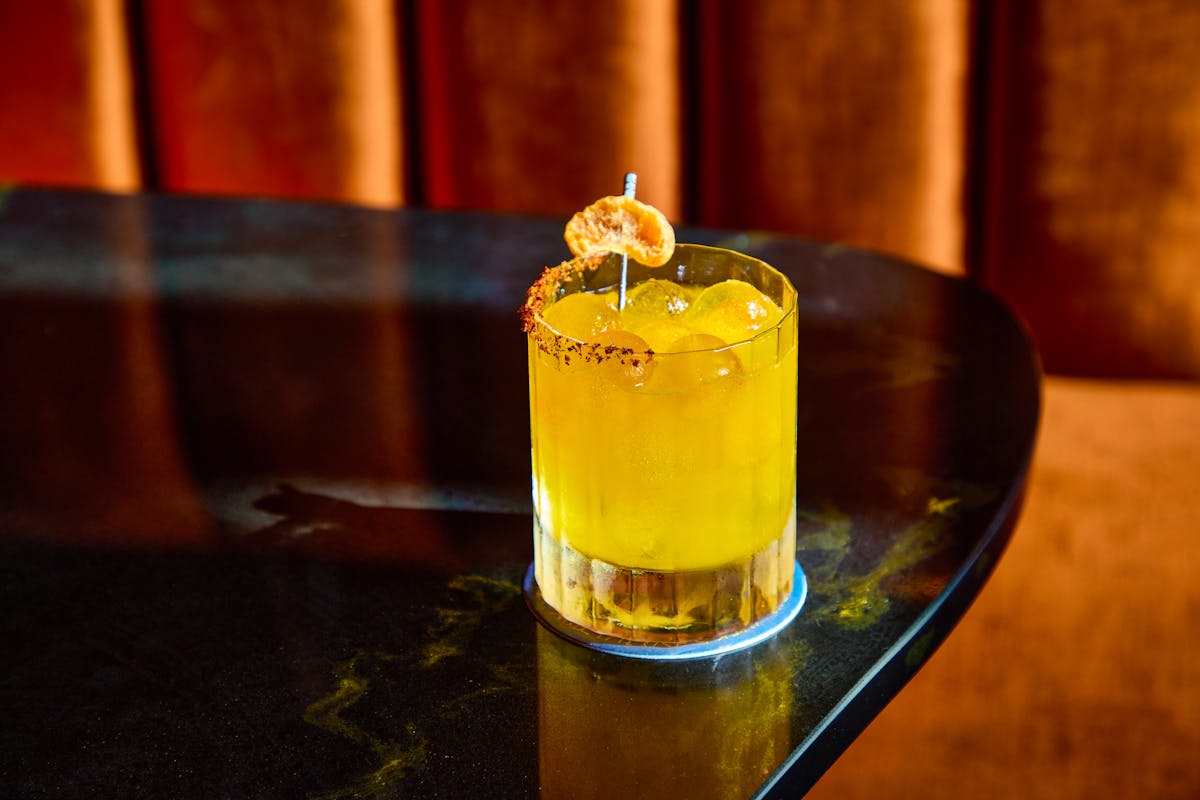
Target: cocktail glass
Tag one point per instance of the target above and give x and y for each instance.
(664, 482)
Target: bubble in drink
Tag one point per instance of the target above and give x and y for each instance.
(733, 311)
(581, 316)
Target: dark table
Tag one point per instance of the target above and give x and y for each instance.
(265, 512)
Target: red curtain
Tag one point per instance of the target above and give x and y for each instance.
(1053, 151)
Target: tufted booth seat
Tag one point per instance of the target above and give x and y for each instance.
(1050, 151)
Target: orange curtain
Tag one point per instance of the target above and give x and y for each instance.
(1091, 224)
(538, 106)
(297, 99)
(66, 94)
(842, 121)
(1051, 151)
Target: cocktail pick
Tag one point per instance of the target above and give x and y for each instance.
(630, 192)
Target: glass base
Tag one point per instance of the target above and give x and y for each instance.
(761, 630)
(664, 607)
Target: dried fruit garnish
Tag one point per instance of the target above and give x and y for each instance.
(625, 225)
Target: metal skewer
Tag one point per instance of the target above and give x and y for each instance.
(630, 192)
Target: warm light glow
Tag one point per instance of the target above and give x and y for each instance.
(372, 113)
(114, 141)
(942, 219)
(654, 102)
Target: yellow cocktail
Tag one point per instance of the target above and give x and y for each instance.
(663, 443)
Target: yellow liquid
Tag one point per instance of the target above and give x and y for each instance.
(664, 488)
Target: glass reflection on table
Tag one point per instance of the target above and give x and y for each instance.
(610, 727)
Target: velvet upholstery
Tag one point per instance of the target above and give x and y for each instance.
(836, 121)
(1076, 673)
(530, 106)
(1092, 212)
(1050, 150)
(66, 95)
(282, 99)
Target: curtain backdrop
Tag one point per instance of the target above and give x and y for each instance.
(1051, 150)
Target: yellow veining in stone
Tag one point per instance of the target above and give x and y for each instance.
(801, 652)
(479, 598)
(482, 597)
(864, 601)
(859, 601)
(833, 535)
(455, 625)
(942, 506)
(396, 760)
(505, 680)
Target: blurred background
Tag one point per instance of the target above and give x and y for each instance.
(1050, 151)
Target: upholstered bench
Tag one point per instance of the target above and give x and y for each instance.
(1049, 151)
(1077, 671)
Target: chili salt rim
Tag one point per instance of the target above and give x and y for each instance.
(559, 346)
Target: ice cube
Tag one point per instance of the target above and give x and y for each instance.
(691, 360)
(661, 333)
(581, 315)
(732, 310)
(654, 299)
(620, 357)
